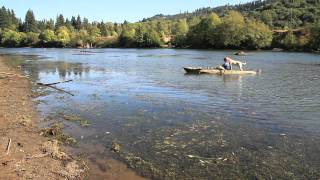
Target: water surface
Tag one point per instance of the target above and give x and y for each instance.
(171, 125)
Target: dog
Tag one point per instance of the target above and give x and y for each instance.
(234, 62)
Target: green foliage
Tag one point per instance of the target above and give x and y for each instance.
(94, 31)
(180, 41)
(315, 37)
(80, 38)
(202, 35)
(163, 27)
(181, 28)
(251, 25)
(147, 38)
(29, 39)
(127, 37)
(152, 39)
(267, 17)
(231, 31)
(290, 41)
(63, 36)
(107, 42)
(258, 35)
(48, 38)
(10, 38)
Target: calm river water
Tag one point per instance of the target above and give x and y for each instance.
(175, 126)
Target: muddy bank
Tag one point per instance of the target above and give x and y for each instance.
(24, 153)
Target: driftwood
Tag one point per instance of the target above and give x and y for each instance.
(8, 146)
(53, 87)
(50, 84)
(61, 90)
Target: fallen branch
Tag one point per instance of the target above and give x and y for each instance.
(50, 84)
(8, 146)
(53, 87)
(61, 90)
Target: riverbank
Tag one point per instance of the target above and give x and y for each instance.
(24, 153)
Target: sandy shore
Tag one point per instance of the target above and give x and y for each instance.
(24, 153)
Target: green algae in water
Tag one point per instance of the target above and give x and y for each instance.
(75, 118)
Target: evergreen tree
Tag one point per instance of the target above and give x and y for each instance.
(68, 24)
(50, 24)
(4, 19)
(15, 21)
(42, 25)
(78, 23)
(103, 29)
(30, 24)
(59, 22)
(85, 24)
(74, 22)
(139, 36)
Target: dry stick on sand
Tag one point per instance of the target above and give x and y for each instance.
(8, 146)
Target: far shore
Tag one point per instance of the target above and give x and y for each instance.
(203, 49)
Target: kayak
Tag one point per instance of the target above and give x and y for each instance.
(199, 70)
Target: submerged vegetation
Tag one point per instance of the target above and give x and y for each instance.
(55, 132)
(292, 25)
(75, 118)
(211, 150)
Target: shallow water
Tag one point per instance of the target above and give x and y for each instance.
(171, 125)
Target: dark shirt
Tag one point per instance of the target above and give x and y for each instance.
(227, 66)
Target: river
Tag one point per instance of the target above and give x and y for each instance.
(170, 125)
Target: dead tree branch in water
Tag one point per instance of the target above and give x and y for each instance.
(53, 87)
(50, 84)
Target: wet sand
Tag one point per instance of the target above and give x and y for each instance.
(24, 153)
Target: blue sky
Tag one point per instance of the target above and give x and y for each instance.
(112, 10)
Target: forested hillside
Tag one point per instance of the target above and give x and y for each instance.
(288, 24)
(275, 13)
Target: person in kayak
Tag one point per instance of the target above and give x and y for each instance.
(226, 65)
(234, 62)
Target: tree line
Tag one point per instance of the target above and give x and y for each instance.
(254, 25)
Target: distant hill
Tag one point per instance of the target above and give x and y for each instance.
(275, 13)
